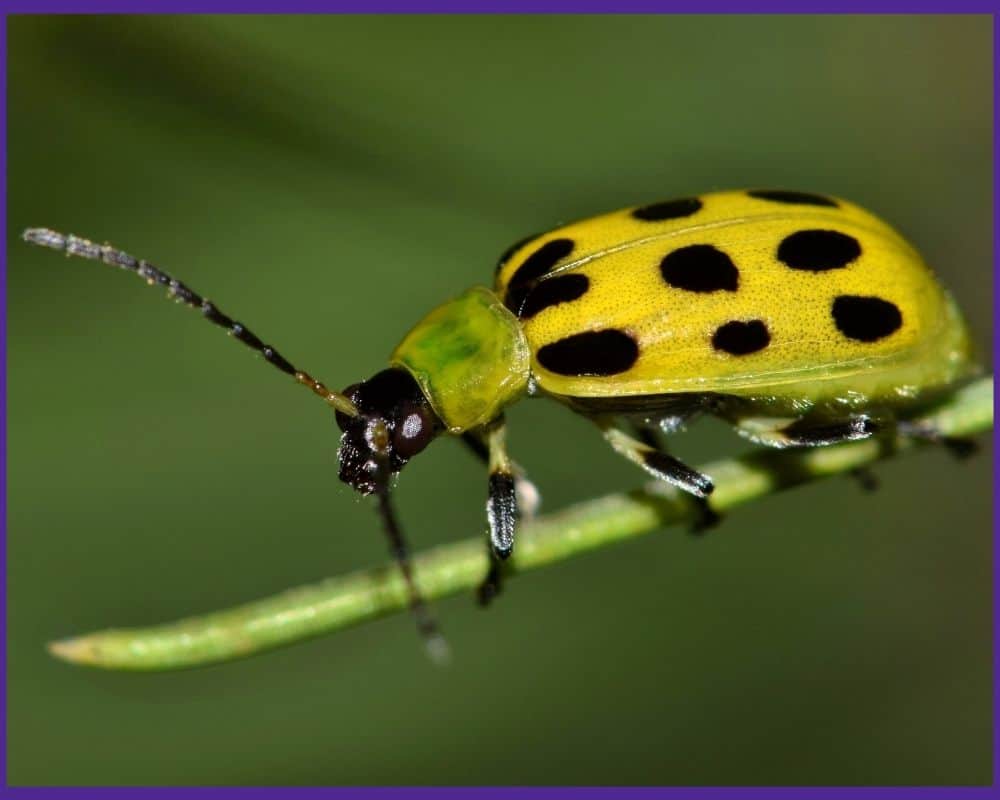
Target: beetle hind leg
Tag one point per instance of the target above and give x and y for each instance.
(809, 433)
(958, 446)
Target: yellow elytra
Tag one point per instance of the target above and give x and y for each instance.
(771, 265)
(801, 319)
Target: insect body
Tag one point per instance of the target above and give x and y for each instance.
(801, 319)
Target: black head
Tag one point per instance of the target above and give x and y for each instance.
(394, 423)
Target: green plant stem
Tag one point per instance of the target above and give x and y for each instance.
(366, 594)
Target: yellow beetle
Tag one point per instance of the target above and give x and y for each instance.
(801, 319)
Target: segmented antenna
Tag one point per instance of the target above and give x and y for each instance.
(84, 248)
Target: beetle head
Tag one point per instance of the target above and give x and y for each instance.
(393, 424)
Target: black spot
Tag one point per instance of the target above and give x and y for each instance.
(606, 352)
(700, 268)
(670, 209)
(551, 292)
(792, 198)
(818, 250)
(505, 256)
(534, 266)
(741, 338)
(866, 319)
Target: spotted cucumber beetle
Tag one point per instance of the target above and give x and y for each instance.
(800, 319)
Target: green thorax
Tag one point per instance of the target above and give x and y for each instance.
(470, 358)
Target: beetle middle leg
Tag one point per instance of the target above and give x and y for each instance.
(648, 453)
(651, 435)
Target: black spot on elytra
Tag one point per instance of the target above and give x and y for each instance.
(505, 256)
(741, 338)
(818, 250)
(792, 198)
(866, 319)
(598, 353)
(552, 292)
(534, 266)
(700, 268)
(669, 209)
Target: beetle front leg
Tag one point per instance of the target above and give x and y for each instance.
(501, 502)
(501, 508)
(529, 499)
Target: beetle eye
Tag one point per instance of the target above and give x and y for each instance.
(412, 434)
(412, 426)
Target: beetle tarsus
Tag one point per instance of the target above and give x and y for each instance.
(492, 584)
(960, 447)
(706, 517)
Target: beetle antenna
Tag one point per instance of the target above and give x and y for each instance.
(84, 248)
(434, 641)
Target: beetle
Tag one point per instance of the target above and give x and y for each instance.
(800, 319)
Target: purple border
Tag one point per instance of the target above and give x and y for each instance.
(518, 792)
(996, 437)
(493, 7)
(488, 6)
(3, 388)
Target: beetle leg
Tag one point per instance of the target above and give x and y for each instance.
(501, 504)
(474, 442)
(656, 461)
(651, 438)
(960, 448)
(648, 436)
(529, 499)
(805, 434)
(810, 433)
(665, 467)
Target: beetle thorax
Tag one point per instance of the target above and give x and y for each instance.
(469, 357)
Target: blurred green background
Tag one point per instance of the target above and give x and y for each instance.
(327, 180)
